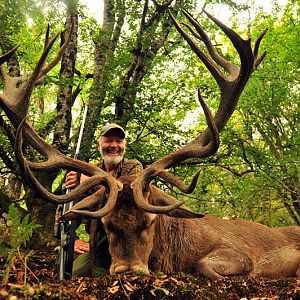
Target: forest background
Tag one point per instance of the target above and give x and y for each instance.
(136, 70)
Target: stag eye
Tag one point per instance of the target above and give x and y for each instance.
(140, 229)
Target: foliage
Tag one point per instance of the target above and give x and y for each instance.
(20, 231)
(270, 110)
(81, 233)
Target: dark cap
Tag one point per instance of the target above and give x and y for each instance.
(106, 128)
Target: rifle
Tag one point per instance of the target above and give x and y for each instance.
(67, 228)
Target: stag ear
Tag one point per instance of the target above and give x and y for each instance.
(159, 198)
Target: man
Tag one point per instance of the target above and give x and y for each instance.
(111, 145)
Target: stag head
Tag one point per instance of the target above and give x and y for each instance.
(144, 200)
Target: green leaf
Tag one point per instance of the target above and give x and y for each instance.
(157, 288)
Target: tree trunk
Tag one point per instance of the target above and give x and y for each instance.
(41, 211)
(104, 48)
(144, 51)
(64, 97)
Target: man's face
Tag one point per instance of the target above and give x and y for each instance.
(112, 146)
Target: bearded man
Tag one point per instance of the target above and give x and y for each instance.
(111, 145)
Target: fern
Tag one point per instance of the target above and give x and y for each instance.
(21, 231)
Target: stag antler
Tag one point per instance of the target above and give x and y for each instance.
(15, 102)
(6, 56)
(231, 87)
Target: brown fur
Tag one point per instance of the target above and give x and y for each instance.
(180, 244)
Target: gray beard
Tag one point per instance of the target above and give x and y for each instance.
(112, 160)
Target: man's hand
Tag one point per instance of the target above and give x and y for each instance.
(71, 179)
(81, 247)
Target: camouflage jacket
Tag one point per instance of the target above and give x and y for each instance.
(125, 167)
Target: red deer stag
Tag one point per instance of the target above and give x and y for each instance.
(147, 228)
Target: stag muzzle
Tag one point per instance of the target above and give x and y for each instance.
(128, 267)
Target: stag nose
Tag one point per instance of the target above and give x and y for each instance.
(128, 268)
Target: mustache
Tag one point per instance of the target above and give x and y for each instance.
(107, 151)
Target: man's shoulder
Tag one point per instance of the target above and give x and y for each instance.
(131, 162)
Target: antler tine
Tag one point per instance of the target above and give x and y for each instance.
(7, 55)
(175, 181)
(257, 60)
(193, 32)
(163, 198)
(47, 36)
(100, 213)
(229, 67)
(57, 58)
(37, 75)
(208, 62)
(39, 144)
(29, 85)
(243, 47)
(75, 194)
(24, 163)
(90, 202)
(258, 41)
(114, 186)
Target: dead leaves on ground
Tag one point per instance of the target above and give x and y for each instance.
(156, 286)
(180, 286)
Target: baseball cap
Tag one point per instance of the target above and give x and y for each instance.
(106, 128)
